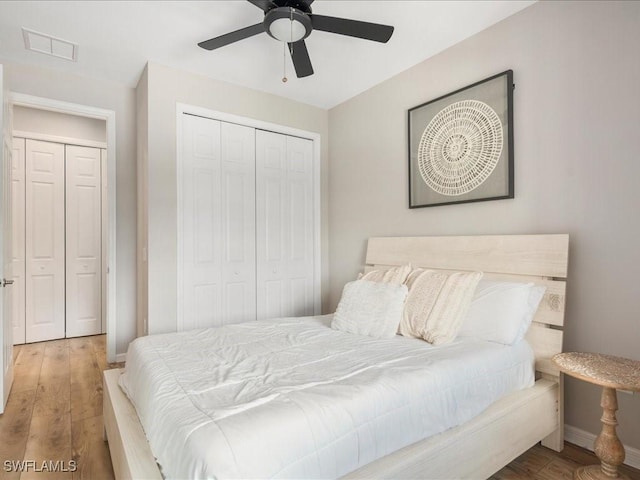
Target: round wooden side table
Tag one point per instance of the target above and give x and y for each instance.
(610, 373)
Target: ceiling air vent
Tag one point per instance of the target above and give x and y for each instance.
(43, 43)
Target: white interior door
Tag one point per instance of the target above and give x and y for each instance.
(285, 225)
(83, 241)
(300, 262)
(44, 241)
(238, 223)
(105, 237)
(200, 214)
(218, 223)
(17, 247)
(6, 317)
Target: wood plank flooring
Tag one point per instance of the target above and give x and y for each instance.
(55, 413)
(540, 463)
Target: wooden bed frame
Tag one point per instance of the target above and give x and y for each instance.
(478, 448)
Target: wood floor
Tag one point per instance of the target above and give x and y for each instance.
(540, 463)
(55, 414)
(54, 411)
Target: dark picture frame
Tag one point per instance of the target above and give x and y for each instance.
(461, 145)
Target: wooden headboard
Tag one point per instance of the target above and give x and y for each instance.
(541, 259)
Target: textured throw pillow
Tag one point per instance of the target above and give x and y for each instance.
(370, 308)
(502, 312)
(437, 303)
(397, 275)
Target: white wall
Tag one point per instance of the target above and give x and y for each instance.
(577, 165)
(56, 85)
(27, 119)
(165, 87)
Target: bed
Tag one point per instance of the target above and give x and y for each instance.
(485, 441)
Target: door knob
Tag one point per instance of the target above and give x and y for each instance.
(6, 282)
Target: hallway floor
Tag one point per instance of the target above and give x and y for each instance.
(54, 411)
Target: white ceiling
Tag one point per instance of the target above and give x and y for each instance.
(116, 39)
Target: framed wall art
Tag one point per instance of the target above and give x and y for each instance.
(461, 145)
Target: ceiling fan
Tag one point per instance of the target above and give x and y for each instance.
(292, 21)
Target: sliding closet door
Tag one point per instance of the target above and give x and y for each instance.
(17, 245)
(218, 223)
(285, 246)
(44, 242)
(84, 241)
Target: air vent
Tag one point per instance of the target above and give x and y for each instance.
(43, 43)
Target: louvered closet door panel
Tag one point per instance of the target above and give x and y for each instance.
(83, 241)
(284, 212)
(44, 254)
(18, 212)
(201, 224)
(238, 223)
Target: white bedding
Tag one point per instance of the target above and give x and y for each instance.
(292, 398)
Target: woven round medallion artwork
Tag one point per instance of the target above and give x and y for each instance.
(460, 147)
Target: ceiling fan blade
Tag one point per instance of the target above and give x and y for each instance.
(265, 5)
(231, 37)
(301, 60)
(352, 28)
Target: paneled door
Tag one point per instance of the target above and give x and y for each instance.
(105, 238)
(6, 325)
(44, 241)
(238, 222)
(201, 254)
(18, 246)
(285, 225)
(217, 223)
(247, 224)
(83, 241)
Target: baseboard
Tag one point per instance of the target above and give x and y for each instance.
(585, 440)
(121, 357)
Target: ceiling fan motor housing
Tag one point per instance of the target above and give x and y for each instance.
(287, 24)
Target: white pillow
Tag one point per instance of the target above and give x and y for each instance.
(437, 304)
(370, 308)
(502, 311)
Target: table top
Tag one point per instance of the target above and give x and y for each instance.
(604, 370)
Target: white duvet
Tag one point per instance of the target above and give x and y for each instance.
(292, 398)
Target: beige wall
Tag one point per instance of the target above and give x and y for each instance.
(577, 165)
(27, 119)
(142, 132)
(166, 86)
(42, 82)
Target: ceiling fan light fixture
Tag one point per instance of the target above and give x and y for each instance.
(286, 30)
(287, 24)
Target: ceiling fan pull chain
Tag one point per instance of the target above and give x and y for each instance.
(284, 62)
(284, 51)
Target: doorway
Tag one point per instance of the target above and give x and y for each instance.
(88, 197)
(57, 260)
